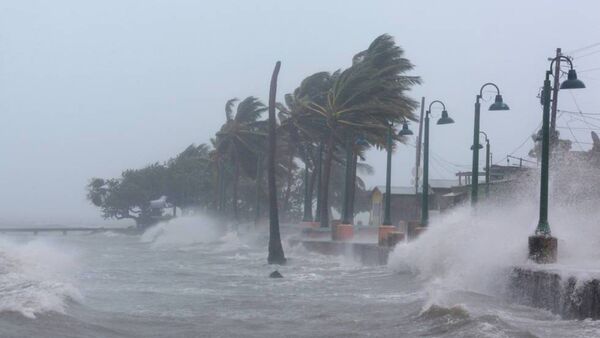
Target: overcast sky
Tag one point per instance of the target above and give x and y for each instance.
(89, 88)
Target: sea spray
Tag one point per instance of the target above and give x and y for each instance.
(183, 231)
(475, 250)
(36, 277)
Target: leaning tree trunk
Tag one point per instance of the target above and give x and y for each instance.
(313, 183)
(276, 255)
(218, 195)
(236, 182)
(325, 182)
(258, 182)
(352, 195)
(288, 188)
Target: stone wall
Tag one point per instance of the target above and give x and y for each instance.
(566, 296)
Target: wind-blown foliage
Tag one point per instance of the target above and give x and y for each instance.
(240, 140)
(362, 101)
(330, 109)
(185, 180)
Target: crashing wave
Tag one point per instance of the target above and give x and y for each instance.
(33, 278)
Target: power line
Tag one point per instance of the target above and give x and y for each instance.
(576, 112)
(574, 51)
(578, 128)
(575, 137)
(588, 70)
(588, 54)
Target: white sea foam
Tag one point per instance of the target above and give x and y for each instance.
(35, 277)
(182, 231)
(464, 250)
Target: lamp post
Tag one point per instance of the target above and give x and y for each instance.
(542, 246)
(445, 119)
(497, 105)
(487, 162)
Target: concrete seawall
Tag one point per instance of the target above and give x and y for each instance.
(563, 294)
(363, 253)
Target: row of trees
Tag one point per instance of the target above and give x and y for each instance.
(324, 126)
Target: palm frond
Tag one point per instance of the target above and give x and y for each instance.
(249, 110)
(229, 108)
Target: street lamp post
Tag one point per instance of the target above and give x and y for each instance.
(542, 246)
(487, 164)
(497, 105)
(445, 119)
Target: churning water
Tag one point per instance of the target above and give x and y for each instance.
(187, 279)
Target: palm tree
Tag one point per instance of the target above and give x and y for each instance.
(239, 141)
(363, 100)
(300, 132)
(276, 255)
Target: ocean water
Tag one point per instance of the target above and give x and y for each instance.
(188, 279)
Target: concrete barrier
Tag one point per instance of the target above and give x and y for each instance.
(342, 232)
(564, 295)
(363, 253)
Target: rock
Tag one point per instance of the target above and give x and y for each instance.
(275, 274)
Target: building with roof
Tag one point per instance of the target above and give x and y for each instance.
(405, 203)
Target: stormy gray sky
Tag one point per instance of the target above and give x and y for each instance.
(89, 88)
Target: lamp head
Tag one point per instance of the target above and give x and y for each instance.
(572, 82)
(499, 104)
(405, 131)
(479, 146)
(445, 119)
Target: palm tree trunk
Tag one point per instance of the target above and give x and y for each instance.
(258, 183)
(276, 255)
(236, 181)
(319, 171)
(352, 189)
(288, 188)
(324, 219)
(307, 193)
(218, 192)
(346, 219)
(222, 191)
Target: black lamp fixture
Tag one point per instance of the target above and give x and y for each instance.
(572, 82)
(499, 103)
(405, 131)
(445, 119)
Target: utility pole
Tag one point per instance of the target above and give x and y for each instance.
(418, 155)
(555, 91)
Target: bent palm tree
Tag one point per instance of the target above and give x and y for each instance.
(240, 139)
(363, 100)
(276, 255)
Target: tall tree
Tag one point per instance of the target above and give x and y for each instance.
(276, 255)
(190, 178)
(363, 100)
(239, 140)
